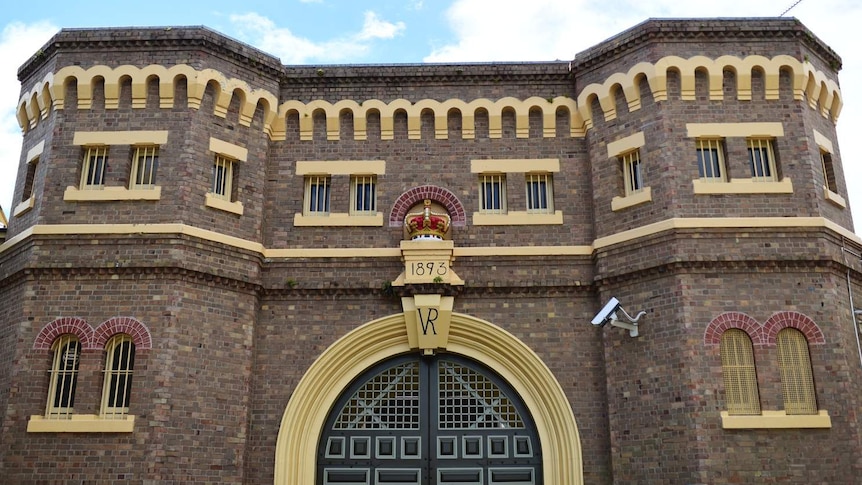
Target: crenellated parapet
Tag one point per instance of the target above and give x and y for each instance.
(821, 92)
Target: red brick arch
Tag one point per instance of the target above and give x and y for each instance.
(443, 196)
(138, 331)
(63, 326)
(799, 321)
(728, 320)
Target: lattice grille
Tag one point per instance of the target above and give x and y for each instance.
(761, 159)
(740, 377)
(389, 400)
(469, 400)
(796, 379)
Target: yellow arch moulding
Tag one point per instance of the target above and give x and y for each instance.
(822, 93)
(323, 383)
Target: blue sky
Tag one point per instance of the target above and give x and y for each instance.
(412, 31)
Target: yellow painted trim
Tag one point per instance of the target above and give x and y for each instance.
(602, 242)
(23, 207)
(823, 142)
(342, 167)
(776, 420)
(627, 144)
(522, 165)
(216, 202)
(583, 250)
(338, 219)
(120, 137)
(81, 423)
(517, 219)
(742, 186)
(34, 152)
(727, 130)
(73, 194)
(723, 223)
(352, 354)
(228, 149)
(834, 198)
(620, 203)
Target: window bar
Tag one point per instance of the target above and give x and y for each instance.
(147, 158)
(709, 159)
(318, 200)
(222, 179)
(95, 161)
(759, 158)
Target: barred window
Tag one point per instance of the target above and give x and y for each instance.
(761, 159)
(223, 174)
(317, 194)
(93, 167)
(828, 171)
(632, 172)
(64, 377)
(145, 163)
(797, 381)
(492, 193)
(540, 192)
(363, 194)
(740, 376)
(119, 362)
(710, 160)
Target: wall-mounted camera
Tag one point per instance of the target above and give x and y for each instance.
(608, 314)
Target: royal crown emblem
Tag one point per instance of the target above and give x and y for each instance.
(427, 224)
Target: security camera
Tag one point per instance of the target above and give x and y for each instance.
(607, 313)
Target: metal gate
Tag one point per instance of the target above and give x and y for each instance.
(429, 420)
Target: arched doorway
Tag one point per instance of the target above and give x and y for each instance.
(341, 365)
(429, 420)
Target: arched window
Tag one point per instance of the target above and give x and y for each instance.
(119, 362)
(64, 377)
(740, 376)
(797, 381)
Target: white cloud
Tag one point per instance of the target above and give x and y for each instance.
(18, 42)
(375, 28)
(262, 32)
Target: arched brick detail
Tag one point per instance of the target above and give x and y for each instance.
(728, 320)
(138, 331)
(62, 326)
(438, 194)
(799, 321)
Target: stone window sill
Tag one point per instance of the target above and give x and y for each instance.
(834, 198)
(517, 219)
(742, 186)
(338, 220)
(74, 194)
(619, 203)
(81, 423)
(23, 207)
(218, 203)
(776, 420)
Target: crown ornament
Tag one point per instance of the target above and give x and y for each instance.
(426, 225)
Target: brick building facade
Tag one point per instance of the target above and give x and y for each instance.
(208, 276)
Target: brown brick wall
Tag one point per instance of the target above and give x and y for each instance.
(234, 331)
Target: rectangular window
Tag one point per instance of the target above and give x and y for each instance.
(761, 159)
(223, 173)
(540, 193)
(710, 160)
(828, 171)
(492, 193)
(632, 172)
(93, 167)
(317, 193)
(363, 194)
(145, 163)
(31, 178)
